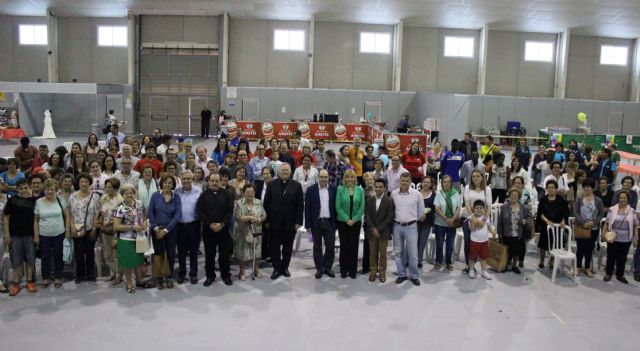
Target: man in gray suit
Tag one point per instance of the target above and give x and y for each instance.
(378, 217)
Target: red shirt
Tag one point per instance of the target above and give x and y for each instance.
(413, 164)
(297, 156)
(38, 162)
(157, 167)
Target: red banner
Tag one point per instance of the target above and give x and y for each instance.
(250, 130)
(399, 143)
(322, 131)
(355, 131)
(284, 129)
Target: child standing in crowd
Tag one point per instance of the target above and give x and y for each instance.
(480, 228)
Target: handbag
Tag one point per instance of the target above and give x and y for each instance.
(160, 263)
(527, 232)
(142, 243)
(609, 237)
(581, 233)
(67, 250)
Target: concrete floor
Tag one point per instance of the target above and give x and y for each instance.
(448, 312)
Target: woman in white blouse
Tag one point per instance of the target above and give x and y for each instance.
(306, 175)
(476, 190)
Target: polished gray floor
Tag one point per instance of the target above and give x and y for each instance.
(448, 312)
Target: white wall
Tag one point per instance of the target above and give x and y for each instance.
(588, 79)
(507, 71)
(18, 63)
(81, 58)
(338, 63)
(254, 63)
(198, 29)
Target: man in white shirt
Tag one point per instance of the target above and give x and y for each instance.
(202, 159)
(162, 148)
(257, 163)
(409, 209)
(127, 152)
(556, 174)
(188, 229)
(393, 173)
(115, 133)
(126, 175)
(319, 155)
(320, 221)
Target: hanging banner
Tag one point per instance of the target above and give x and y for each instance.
(357, 131)
(322, 131)
(399, 143)
(284, 130)
(250, 130)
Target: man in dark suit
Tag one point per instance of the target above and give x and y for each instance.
(320, 221)
(284, 205)
(205, 122)
(378, 218)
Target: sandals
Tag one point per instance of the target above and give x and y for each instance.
(169, 284)
(242, 277)
(57, 283)
(143, 285)
(44, 284)
(131, 290)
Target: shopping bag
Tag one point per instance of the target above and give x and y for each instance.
(67, 251)
(498, 254)
(142, 243)
(6, 266)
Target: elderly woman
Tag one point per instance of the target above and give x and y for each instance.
(238, 183)
(51, 224)
(147, 185)
(622, 230)
(514, 227)
(447, 207)
(349, 210)
(129, 222)
(588, 212)
(249, 215)
(552, 209)
(84, 206)
(108, 203)
(10, 177)
(165, 211)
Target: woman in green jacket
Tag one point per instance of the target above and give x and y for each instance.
(349, 210)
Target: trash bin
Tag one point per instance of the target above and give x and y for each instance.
(96, 128)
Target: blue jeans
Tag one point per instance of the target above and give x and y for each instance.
(443, 234)
(51, 246)
(423, 237)
(405, 247)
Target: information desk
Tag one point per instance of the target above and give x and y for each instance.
(598, 141)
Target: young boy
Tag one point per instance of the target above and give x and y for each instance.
(20, 237)
(480, 229)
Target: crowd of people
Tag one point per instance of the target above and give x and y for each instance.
(149, 201)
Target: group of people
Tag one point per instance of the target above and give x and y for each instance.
(151, 200)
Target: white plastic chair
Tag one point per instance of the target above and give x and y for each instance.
(102, 144)
(560, 248)
(67, 145)
(431, 248)
(412, 185)
(602, 250)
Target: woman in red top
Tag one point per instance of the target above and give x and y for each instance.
(412, 161)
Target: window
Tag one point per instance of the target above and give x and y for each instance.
(33, 34)
(538, 51)
(458, 47)
(614, 55)
(289, 40)
(375, 43)
(112, 36)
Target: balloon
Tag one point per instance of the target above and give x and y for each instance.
(582, 117)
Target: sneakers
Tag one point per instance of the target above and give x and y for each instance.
(31, 287)
(472, 273)
(486, 275)
(465, 270)
(15, 289)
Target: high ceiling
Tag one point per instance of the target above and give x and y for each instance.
(614, 18)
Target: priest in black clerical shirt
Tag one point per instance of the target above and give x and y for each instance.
(284, 205)
(215, 208)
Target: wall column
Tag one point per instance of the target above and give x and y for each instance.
(562, 60)
(131, 49)
(635, 73)
(225, 49)
(52, 47)
(482, 59)
(312, 35)
(398, 34)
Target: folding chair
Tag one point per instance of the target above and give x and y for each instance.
(560, 248)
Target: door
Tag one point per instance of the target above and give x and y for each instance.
(159, 112)
(114, 102)
(250, 109)
(196, 105)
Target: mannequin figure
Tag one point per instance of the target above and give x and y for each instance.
(47, 132)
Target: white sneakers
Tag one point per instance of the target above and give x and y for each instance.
(485, 274)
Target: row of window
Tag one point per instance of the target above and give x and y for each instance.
(30, 34)
(376, 43)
